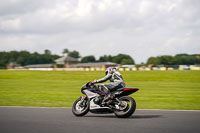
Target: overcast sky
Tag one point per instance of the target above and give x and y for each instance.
(140, 28)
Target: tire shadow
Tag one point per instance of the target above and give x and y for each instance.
(131, 117)
(145, 116)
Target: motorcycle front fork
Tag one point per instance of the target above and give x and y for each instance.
(82, 103)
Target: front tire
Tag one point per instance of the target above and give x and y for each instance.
(80, 108)
(128, 109)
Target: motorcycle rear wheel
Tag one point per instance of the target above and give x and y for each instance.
(128, 109)
(78, 109)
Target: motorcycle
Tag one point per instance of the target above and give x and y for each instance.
(121, 104)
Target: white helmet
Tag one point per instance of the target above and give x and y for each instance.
(110, 70)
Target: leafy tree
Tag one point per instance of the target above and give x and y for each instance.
(74, 54)
(197, 59)
(166, 60)
(13, 56)
(105, 58)
(65, 51)
(86, 59)
(47, 52)
(183, 59)
(4, 59)
(154, 61)
(126, 61)
(123, 59)
(23, 58)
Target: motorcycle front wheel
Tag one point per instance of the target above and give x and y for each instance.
(127, 108)
(80, 107)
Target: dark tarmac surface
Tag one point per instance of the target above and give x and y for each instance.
(61, 120)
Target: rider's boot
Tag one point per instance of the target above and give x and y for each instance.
(106, 94)
(107, 99)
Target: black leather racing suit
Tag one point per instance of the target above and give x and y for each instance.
(116, 81)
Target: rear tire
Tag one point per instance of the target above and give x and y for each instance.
(78, 110)
(129, 109)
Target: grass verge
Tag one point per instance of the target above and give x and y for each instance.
(158, 89)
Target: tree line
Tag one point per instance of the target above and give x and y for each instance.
(122, 59)
(179, 59)
(26, 58)
(119, 59)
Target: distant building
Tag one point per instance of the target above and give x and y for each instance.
(127, 66)
(46, 67)
(12, 65)
(184, 67)
(66, 61)
(96, 65)
(194, 67)
(69, 62)
(39, 66)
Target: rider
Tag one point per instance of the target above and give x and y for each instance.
(116, 81)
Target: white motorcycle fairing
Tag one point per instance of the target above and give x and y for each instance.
(95, 108)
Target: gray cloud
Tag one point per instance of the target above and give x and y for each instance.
(140, 28)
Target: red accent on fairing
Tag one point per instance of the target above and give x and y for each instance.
(129, 89)
(83, 96)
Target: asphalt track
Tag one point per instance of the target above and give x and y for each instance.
(61, 120)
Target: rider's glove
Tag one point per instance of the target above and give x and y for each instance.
(93, 82)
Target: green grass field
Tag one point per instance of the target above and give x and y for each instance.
(158, 89)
